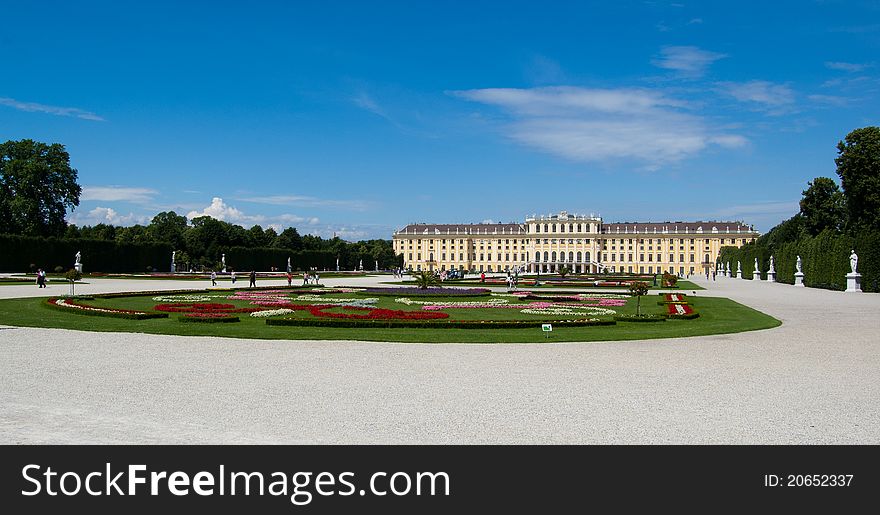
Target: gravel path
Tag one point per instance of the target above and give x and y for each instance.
(812, 380)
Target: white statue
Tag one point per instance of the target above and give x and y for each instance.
(173, 254)
(797, 265)
(738, 267)
(362, 264)
(288, 265)
(377, 265)
(772, 268)
(78, 258)
(337, 263)
(853, 261)
(223, 259)
(756, 264)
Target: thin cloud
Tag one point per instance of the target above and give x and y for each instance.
(603, 124)
(774, 98)
(33, 107)
(686, 61)
(117, 194)
(847, 67)
(305, 201)
(832, 100)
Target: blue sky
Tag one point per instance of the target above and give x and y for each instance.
(357, 119)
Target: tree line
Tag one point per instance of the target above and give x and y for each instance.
(38, 187)
(832, 221)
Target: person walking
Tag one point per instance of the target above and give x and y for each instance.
(482, 277)
(305, 278)
(317, 278)
(213, 278)
(289, 279)
(232, 274)
(253, 278)
(41, 278)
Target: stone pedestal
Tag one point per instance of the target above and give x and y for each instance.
(173, 268)
(854, 283)
(79, 268)
(756, 275)
(799, 279)
(771, 277)
(739, 274)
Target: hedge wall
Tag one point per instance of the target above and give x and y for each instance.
(825, 259)
(19, 252)
(243, 259)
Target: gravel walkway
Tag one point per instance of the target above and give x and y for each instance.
(812, 380)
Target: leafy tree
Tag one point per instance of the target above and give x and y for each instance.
(168, 226)
(858, 165)
(823, 206)
(289, 239)
(425, 279)
(37, 186)
(133, 234)
(99, 232)
(257, 238)
(638, 289)
(73, 275)
(563, 271)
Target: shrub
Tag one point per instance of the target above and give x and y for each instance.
(59, 269)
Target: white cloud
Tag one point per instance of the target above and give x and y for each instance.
(604, 124)
(305, 201)
(777, 98)
(222, 211)
(687, 61)
(33, 107)
(107, 215)
(847, 67)
(117, 193)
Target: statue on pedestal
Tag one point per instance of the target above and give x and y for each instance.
(223, 262)
(173, 264)
(78, 262)
(798, 265)
(853, 261)
(772, 267)
(289, 269)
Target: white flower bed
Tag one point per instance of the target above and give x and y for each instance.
(576, 311)
(319, 299)
(62, 303)
(271, 313)
(186, 298)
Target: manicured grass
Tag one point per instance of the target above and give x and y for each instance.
(718, 315)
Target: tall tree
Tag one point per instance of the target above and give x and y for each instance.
(858, 165)
(37, 186)
(168, 226)
(823, 206)
(289, 239)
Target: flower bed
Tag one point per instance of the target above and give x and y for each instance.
(319, 310)
(72, 306)
(673, 298)
(562, 310)
(271, 313)
(681, 311)
(365, 303)
(209, 318)
(202, 307)
(435, 324)
(183, 298)
(427, 292)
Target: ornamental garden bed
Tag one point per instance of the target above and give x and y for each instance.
(344, 314)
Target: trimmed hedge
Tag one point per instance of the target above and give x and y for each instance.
(637, 318)
(212, 320)
(689, 316)
(463, 324)
(825, 259)
(19, 252)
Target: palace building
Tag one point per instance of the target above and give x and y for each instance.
(583, 244)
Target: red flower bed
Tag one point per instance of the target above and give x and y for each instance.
(679, 309)
(203, 307)
(375, 313)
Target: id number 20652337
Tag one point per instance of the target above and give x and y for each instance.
(810, 480)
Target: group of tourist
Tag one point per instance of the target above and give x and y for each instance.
(310, 278)
(41, 278)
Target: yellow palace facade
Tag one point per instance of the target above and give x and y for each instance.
(581, 243)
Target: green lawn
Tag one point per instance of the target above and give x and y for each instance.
(718, 315)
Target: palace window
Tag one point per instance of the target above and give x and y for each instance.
(641, 257)
(681, 259)
(554, 256)
(410, 256)
(692, 258)
(672, 258)
(579, 256)
(630, 256)
(546, 256)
